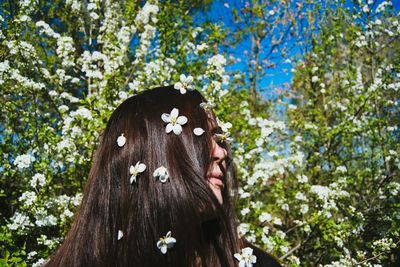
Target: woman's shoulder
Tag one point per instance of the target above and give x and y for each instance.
(263, 258)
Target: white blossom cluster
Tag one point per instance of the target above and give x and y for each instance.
(65, 50)
(22, 47)
(91, 64)
(75, 5)
(45, 28)
(19, 221)
(145, 20)
(41, 216)
(38, 180)
(93, 7)
(24, 161)
(328, 195)
(115, 36)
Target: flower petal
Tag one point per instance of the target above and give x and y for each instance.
(178, 86)
(163, 249)
(183, 90)
(121, 140)
(198, 131)
(141, 167)
(133, 179)
(166, 117)
(177, 129)
(169, 128)
(131, 169)
(162, 174)
(175, 112)
(120, 235)
(170, 240)
(181, 120)
(163, 178)
(182, 77)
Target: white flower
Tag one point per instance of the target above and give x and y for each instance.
(314, 79)
(321, 191)
(28, 198)
(40, 262)
(38, 179)
(31, 254)
(302, 178)
(265, 216)
(225, 126)
(82, 112)
(23, 161)
(245, 211)
(198, 131)
(135, 170)
(207, 106)
(341, 169)
(246, 258)
(218, 61)
(166, 242)
(184, 84)
(120, 235)
(223, 138)
(300, 196)
(243, 229)
(277, 221)
(304, 208)
(121, 140)
(161, 173)
(174, 121)
(201, 47)
(19, 221)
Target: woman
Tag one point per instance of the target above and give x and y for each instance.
(158, 193)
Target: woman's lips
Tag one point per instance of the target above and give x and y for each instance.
(216, 181)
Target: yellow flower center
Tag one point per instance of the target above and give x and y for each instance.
(173, 120)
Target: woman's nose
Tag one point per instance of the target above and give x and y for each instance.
(218, 153)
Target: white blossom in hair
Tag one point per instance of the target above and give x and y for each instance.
(225, 126)
(174, 121)
(121, 140)
(246, 258)
(120, 235)
(224, 137)
(162, 174)
(135, 170)
(207, 106)
(185, 83)
(166, 242)
(198, 131)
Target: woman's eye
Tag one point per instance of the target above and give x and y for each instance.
(219, 138)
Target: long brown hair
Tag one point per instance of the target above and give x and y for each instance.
(147, 209)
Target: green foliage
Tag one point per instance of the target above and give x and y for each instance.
(345, 88)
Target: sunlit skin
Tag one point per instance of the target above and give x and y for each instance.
(215, 174)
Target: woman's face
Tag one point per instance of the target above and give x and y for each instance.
(216, 171)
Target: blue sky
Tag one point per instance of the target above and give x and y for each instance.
(220, 12)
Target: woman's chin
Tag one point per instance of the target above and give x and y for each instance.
(217, 192)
